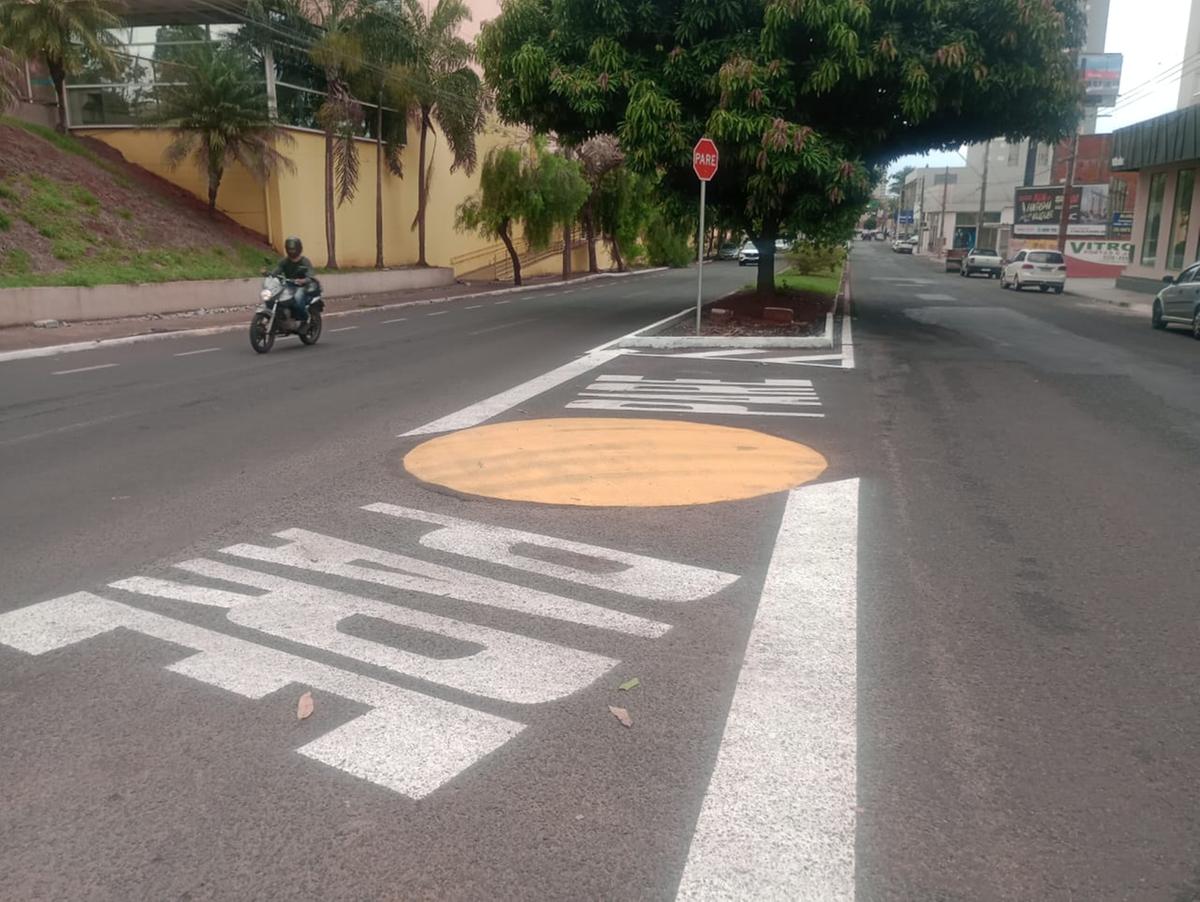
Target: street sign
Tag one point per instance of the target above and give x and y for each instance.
(704, 159)
(704, 164)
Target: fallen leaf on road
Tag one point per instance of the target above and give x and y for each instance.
(304, 707)
(630, 684)
(622, 715)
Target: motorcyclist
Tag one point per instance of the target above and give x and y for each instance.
(298, 270)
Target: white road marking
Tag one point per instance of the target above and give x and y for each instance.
(778, 819)
(935, 297)
(343, 329)
(636, 393)
(847, 343)
(628, 573)
(505, 666)
(324, 554)
(475, 307)
(508, 325)
(408, 742)
(388, 322)
(497, 303)
(438, 313)
(201, 351)
(484, 410)
(85, 369)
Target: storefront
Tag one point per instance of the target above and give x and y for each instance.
(1165, 154)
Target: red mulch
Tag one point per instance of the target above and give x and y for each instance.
(746, 309)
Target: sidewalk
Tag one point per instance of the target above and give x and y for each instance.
(14, 338)
(1104, 292)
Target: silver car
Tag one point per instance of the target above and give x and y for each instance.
(1179, 301)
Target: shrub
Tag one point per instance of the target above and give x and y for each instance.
(667, 244)
(809, 258)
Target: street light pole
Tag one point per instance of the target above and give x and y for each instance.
(987, 152)
(1068, 187)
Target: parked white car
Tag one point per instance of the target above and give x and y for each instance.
(981, 259)
(1044, 270)
(748, 255)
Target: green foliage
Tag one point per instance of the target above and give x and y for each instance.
(111, 266)
(217, 114)
(536, 190)
(827, 284)
(806, 99)
(666, 243)
(15, 262)
(67, 144)
(69, 249)
(871, 222)
(811, 258)
(5, 222)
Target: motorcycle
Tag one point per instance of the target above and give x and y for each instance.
(275, 314)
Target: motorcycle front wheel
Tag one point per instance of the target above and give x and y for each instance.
(310, 334)
(261, 338)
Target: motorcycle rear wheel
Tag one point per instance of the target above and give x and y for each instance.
(312, 332)
(261, 338)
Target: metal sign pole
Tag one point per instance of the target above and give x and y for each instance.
(700, 259)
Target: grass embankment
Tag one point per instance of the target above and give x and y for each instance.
(70, 217)
(818, 283)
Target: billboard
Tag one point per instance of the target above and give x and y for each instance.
(1101, 74)
(1037, 212)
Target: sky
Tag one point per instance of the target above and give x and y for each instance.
(1151, 35)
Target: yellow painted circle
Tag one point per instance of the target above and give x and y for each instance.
(603, 462)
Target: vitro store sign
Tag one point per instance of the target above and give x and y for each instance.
(1098, 259)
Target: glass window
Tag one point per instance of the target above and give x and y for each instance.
(1045, 257)
(1185, 186)
(1154, 205)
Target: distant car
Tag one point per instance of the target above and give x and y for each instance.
(905, 245)
(1044, 270)
(727, 251)
(1179, 301)
(982, 259)
(748, 255)
(783, 244)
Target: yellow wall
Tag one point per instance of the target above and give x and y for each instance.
(292, 203)
(241, 196)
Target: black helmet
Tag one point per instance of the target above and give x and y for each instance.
(293, 246)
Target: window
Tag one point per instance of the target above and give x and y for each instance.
(1154, 205)
(1190, 274)
(1019, 257)
(1185, 185)
(1045, 257)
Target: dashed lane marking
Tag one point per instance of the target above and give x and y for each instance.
(935, 297)
(343, 329)
(438, 313)
(192, 353)
(85, 369)
(603, 462)
(399, 319)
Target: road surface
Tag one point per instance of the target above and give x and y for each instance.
(912, 617)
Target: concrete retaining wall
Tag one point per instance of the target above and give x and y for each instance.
(21, 306)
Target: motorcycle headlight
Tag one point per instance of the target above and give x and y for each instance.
(264, 295)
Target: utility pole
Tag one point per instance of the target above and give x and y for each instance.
(1068, 187)
(942, 217)
(987, 152)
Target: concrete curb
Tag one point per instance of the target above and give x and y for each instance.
(650, 337)
(1124, 305)
(55, 350)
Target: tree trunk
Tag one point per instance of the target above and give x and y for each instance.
(330, 221)
(589, 223)
(379, 184)
(214, 182)
(615, 246)
(766, 260)
(422, 188)
(58, 75)
(566, 253)
(512, 252)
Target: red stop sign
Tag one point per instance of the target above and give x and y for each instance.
(704, 159)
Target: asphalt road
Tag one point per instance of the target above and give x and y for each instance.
(957, 661)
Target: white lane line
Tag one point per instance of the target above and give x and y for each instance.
(438, 313)
(484, 410)
(388, 322)
(191, 353)
(515, 322)
(847, 344)
(474, 307)
(778, 820)
(343, 329)
(503, 302)
(935, 297)
(85, 369)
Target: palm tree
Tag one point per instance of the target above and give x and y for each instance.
(10, 79)
(445, 91)
(218, 114)
(64, 33)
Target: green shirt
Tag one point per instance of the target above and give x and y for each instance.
(294, 269)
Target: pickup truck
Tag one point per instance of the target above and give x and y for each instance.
(981, 259)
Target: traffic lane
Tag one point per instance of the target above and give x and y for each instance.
(1027, 692)
(117, 476)
(545, 816)
(877, 274)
